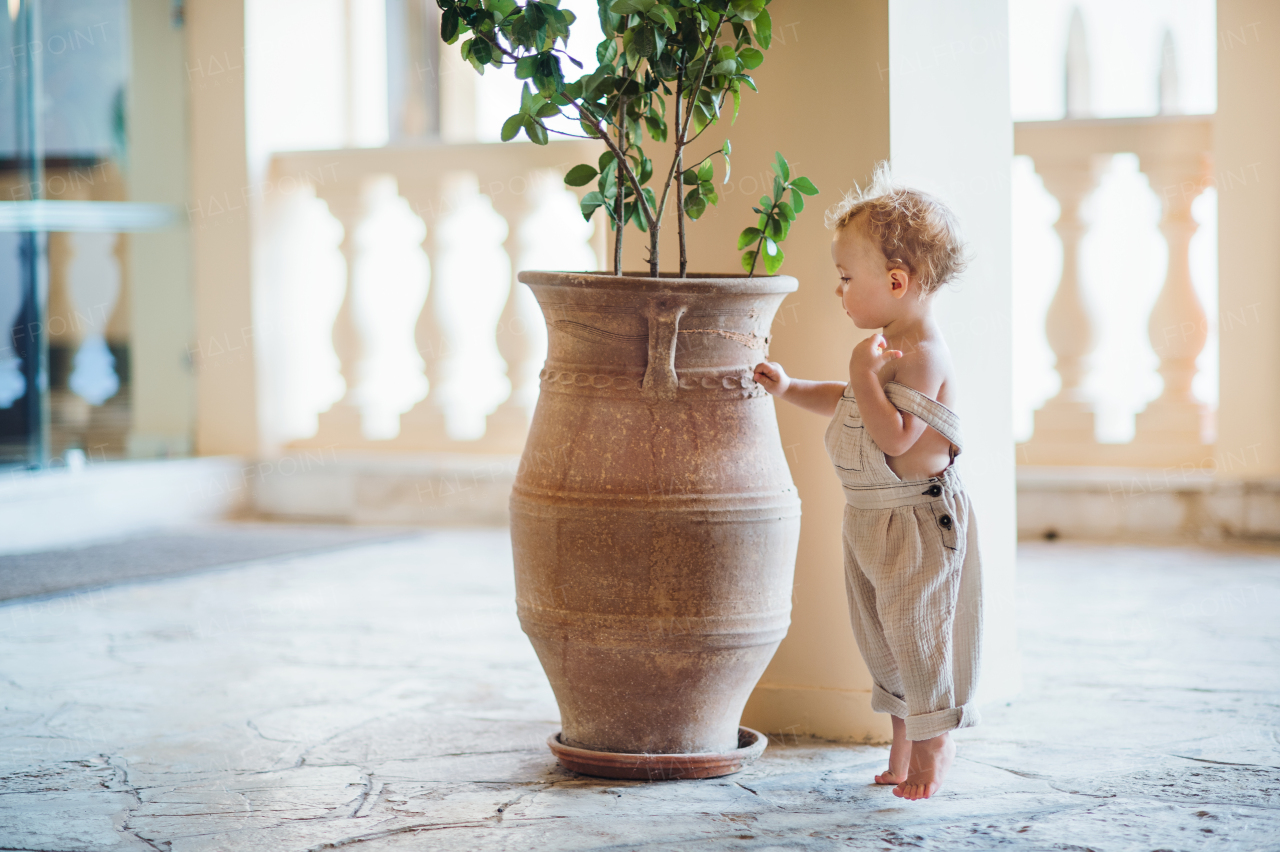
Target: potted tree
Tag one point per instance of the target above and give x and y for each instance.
(654, 521)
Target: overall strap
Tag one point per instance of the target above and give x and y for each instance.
(929, 410)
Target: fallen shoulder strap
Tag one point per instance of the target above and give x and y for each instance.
(927, 409)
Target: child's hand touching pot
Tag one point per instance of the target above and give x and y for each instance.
(870, 355)
(772, 377)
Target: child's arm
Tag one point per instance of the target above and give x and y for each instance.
(893, 431)
(818, 397)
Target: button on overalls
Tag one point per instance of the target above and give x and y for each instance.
(911, 570)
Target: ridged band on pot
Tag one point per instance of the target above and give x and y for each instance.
(653, 518)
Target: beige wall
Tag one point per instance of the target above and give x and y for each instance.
(845, 85)
(1247, 169)
(226, 386)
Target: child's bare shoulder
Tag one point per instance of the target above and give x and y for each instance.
(926, 367)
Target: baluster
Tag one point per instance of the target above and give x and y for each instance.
(423, 427)
(341, 424)
(1068, 418)
(507, 427)
(93, 285)
(1178, 326)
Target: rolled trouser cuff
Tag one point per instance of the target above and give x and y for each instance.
(883, 701)
(925, 726)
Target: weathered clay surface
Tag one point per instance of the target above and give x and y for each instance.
(384, 698)
(653, 518)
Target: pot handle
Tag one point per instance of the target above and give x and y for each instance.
(660, 379)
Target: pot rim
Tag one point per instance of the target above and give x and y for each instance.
(699, 283)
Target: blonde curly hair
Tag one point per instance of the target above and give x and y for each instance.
(914, 230)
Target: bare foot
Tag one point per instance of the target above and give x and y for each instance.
(899, 755)
(930, 761)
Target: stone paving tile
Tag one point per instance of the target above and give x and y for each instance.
(384, 698)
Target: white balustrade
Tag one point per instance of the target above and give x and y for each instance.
(434, 180)
(1174, 153)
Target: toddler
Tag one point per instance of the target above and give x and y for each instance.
(910, 542)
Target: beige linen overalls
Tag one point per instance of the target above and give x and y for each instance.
(912, 571)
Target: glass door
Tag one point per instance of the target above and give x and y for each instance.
(93, 251)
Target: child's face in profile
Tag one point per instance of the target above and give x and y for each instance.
(868, 291)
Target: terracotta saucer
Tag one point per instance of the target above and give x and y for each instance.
(660, 767)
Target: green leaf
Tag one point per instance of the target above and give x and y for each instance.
(781, 167)
(797, 200)
(590, 202)
(481, 51)
(689, 177)
(632, 7)
(644, 43)
(748, 261)
(778, 186)
(525, 67)
(606, 160)
(773, 260)
(804, 185)
(694, 204)
(663, 15)
(607, 51)
(726, 67)
(526, 99)
(773, 230)
(737, 103)
(764, 29)
(705, 170)
(578, 175)
(747, 9)
(535, 131)
(726, 148)
(785, 209)
(751, 58)
(512, 126)
(748, 236)
(708, 190)
(501, 8)
(534, 16)
(449, 26)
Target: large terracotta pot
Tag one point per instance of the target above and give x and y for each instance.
(654, 519)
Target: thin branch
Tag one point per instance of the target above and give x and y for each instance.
(683, 131)
(566, 133)
(621, 158)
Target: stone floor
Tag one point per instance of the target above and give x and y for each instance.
(382, 697)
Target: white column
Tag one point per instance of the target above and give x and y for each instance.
(162, 315)
(221, 242)
(1178, 326)
(908, 81)
(1246, 163)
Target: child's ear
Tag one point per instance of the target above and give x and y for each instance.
(898, 281)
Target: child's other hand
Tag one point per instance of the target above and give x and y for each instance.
(772, 377)
(870, 355)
